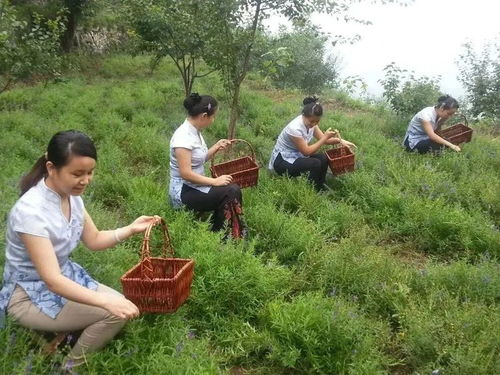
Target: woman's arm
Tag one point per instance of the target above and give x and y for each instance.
(436, 138)
(221, 144)
(95, 239)
(183, 156)
(45, 261)
(308, 150)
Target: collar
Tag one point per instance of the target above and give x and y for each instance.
(47, 192)
(191, 128)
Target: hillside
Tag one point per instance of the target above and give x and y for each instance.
(393, 271)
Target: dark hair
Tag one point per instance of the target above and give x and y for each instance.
(312, 107)
(196, 104)
(447, 102)
(62, 146)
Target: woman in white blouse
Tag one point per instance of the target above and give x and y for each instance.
(292, 153)
(188, 152)
(420, 135)
(42, 288)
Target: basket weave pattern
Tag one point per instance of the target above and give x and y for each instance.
(158, 284)
(244, 170)
(340, 160)
(456, 134)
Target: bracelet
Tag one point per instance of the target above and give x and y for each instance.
(117, 239)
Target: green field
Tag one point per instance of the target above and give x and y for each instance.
(393, 271)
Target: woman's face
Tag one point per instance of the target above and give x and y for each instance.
(311, 121)
(445, 114)
(73, 178)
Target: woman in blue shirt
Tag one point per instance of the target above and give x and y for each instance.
(42, 288)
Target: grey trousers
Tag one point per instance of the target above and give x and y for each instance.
(98, 325)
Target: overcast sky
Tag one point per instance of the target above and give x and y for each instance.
(425, 36)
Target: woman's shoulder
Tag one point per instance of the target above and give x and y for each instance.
(30, 202)
(427, 114)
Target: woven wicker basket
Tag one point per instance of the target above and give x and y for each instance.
(243, 170)
(158, 284)
(340, 160)
(456, 134)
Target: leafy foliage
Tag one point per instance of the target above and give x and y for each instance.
(298, 59)
(28, 51)
(480, 75)
(406, 93)
(177, 29)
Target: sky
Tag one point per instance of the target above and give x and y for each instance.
(426, 36)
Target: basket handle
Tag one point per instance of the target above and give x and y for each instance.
(233, 141)
(465, 119)
(167, 249)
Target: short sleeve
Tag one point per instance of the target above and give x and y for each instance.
(25, 218)
(426, 115)
(294, 130)
(181, 140)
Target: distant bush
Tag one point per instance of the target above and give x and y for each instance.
(28, 51)
(406, 93)
(480, 75)
(298, 59)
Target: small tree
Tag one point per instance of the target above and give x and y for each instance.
(173, 28)
(236, 24)
(480, 75)
(28, 51)
(74, 12)
(406, 93)
(298, 59)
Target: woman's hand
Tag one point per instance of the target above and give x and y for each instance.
(222, 144)
(223, 180)
(455, 148)
(348, 144)
(120, 306)
(142, 222)
(329, 134)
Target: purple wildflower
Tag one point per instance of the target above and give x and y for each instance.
(179, 347)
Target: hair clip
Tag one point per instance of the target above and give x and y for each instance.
(209, 107)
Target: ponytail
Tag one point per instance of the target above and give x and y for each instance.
(37, 172)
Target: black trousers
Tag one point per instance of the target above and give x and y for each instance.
(424, 146)
(315, 165)
(214, 200)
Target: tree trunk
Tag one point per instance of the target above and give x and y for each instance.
(69, 34)
(233, 116)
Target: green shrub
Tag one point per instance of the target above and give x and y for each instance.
(317, 335)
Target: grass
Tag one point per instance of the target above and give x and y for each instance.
(394, 271)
